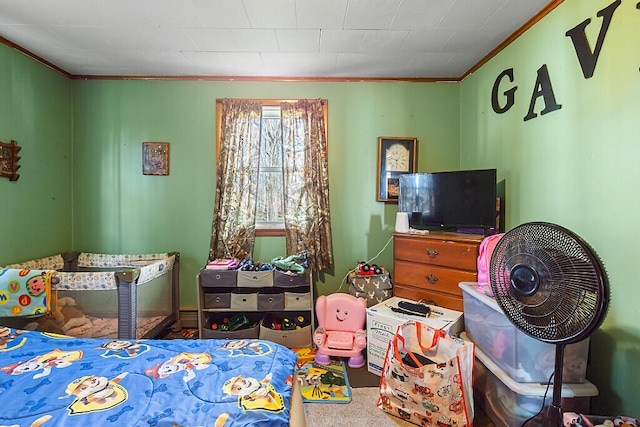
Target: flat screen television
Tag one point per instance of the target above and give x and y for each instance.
(455, 200)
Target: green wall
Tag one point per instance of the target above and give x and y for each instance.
(117, 209)
(35, 111)
(576, 166)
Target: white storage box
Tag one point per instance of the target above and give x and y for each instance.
(382, 324)
(523, 358)
(509, 403)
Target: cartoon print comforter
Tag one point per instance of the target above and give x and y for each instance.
(54, 380)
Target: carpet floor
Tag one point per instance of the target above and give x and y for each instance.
(362, 410)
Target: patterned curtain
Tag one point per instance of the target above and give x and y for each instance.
(233, 230)
(306, 182)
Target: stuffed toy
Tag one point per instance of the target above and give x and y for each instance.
(65, 315)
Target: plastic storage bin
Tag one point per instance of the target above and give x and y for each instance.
(523, 358)
(509, 403)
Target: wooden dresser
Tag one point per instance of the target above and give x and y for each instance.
(430, 266)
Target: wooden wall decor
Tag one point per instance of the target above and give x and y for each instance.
(9, 160)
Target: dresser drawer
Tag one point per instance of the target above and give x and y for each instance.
(446, 253)
(432, 277)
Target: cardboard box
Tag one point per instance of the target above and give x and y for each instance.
(382, 324)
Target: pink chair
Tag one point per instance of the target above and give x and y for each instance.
(341, 321)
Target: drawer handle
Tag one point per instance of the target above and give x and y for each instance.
(431, 279)
(431, 252)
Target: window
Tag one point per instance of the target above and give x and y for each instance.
(270, 194)
(270, 203)
(272, 178)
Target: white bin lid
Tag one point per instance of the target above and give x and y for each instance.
(471, 289)
(585, 389)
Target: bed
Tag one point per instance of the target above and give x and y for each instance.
(55, 380)
(119, 295)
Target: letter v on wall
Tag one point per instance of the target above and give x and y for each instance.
(586, 57)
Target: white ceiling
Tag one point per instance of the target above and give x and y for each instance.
(264, 38)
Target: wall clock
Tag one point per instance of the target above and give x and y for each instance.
(395, 157)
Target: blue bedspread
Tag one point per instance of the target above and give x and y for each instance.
(55, 380)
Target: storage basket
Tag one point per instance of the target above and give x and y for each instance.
(293, 338)
(255, 279)
(218, 278)
(249, 331)
(286, 280)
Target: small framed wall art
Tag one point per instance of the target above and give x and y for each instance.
(396, 156)
(155, 158)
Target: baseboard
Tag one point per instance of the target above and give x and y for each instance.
(189, 318)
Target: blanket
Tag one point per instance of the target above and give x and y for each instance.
(56, 380)
(25, 292)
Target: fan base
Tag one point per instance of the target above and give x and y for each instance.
(554, 416)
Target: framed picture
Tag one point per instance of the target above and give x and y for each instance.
(396, 156)
(155, 158)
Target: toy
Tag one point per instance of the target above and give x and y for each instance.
(294, 263)
(248, 264)
(366, 269)
(286, 323)
(64, 316)
(239, 321)
(341, 320)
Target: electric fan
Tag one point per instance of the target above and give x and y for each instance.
(553, 287)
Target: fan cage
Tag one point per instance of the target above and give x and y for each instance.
(570, 297)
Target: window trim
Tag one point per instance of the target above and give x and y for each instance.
(269, 230)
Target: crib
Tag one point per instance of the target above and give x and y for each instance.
(121, 296)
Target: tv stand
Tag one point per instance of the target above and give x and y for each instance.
(430, 266)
